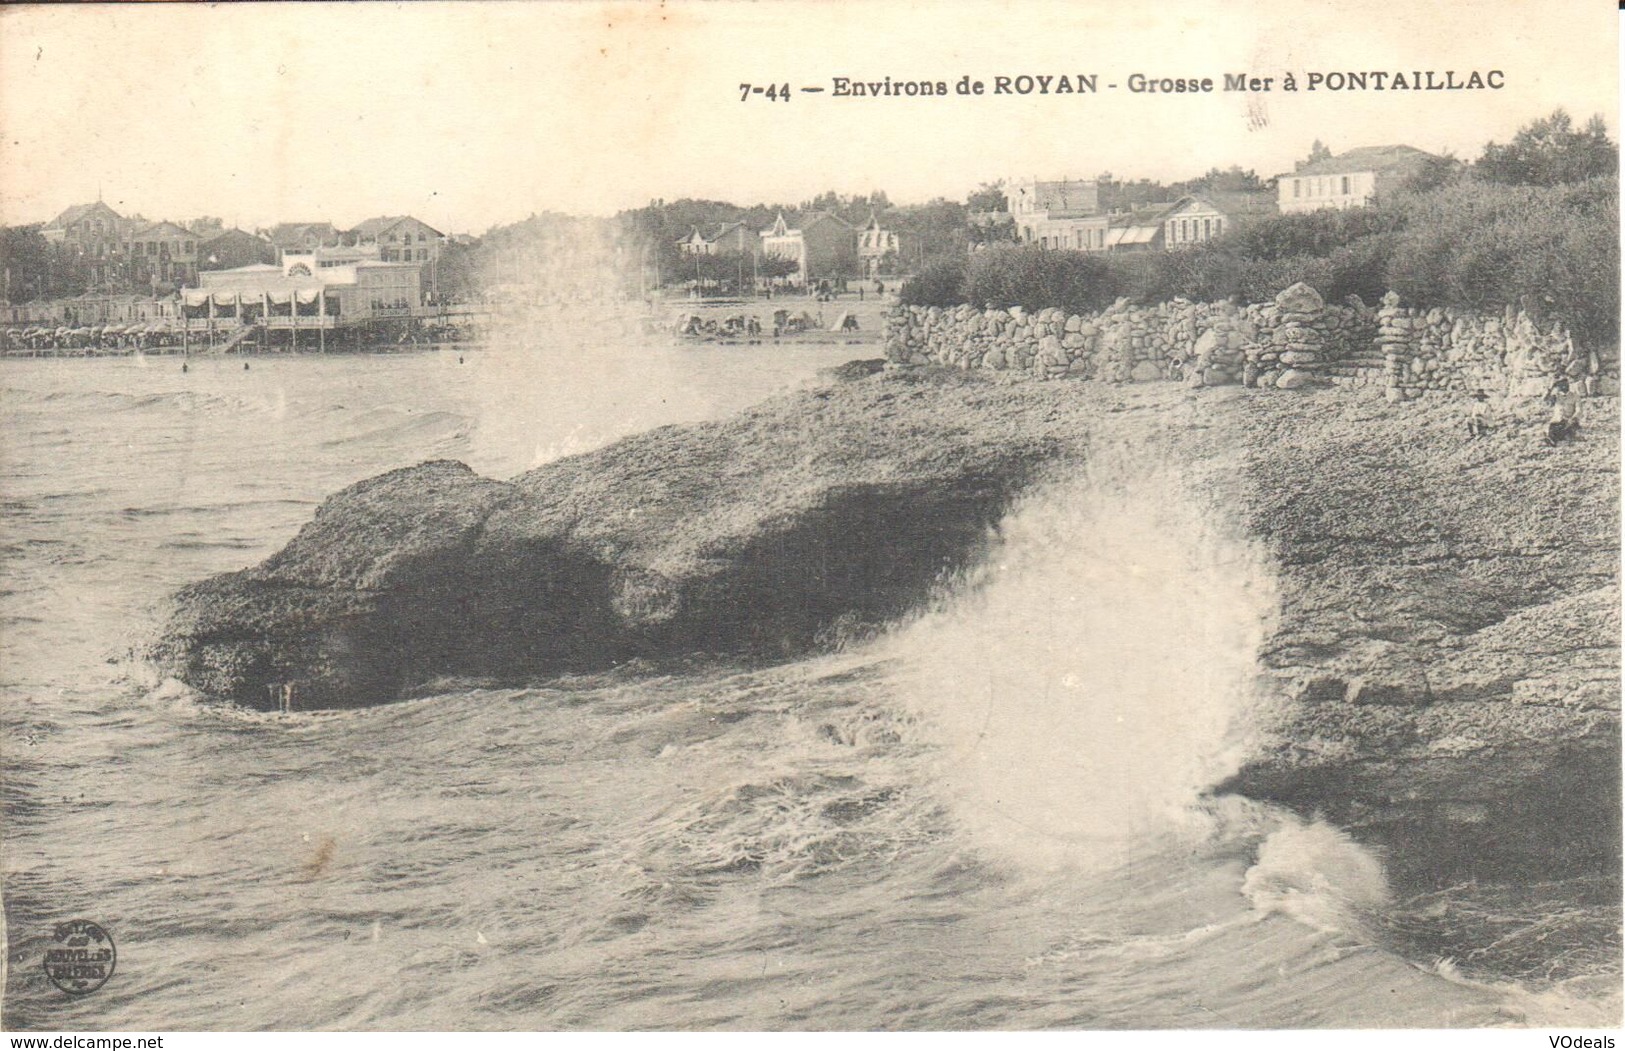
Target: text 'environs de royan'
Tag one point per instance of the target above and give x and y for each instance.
(1158, 84)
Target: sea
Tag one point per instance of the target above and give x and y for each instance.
(991, 816)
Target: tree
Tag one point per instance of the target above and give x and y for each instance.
(1434, 173)
(928, 231)
(771, 266)
(1118, 196)
(25, 259)
(988, 197)
(1550, 151)
(1318, 151)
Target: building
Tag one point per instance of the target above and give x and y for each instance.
(725, 237)
(401, 239)
(398, 238)
(875, 245)
(696, 243)
(161, 253)
(234, 248)
(737, 237)
(206, 227)
(302, 237)
(1350, 180)
(326, 257)
(1061, 213)
(824, 247)
(1139, 229)
(1201, 217)
(95, 233)
(300, 292)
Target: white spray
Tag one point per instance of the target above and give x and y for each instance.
(1094, 677)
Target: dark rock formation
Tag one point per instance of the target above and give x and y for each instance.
(1444, 679)
(750, 537)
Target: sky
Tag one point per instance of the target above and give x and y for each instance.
(470, 115)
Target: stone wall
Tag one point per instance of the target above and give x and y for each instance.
(1296, 340)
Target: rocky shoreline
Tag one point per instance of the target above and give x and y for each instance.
(1443, 679)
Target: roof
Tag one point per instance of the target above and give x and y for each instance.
(376, 226)
(236, 234)
(1236, 204)
(1138, 234)
(818, 217)
(251, 268)
(1398, 159)
(1145, 215)
(371, 228)
(76, 212)
(162, 227)
(283, 234)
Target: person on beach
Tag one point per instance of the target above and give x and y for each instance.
(1565, 419)
(1478, 419)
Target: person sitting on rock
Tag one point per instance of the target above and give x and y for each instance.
(1565, 421)
(1478, 421)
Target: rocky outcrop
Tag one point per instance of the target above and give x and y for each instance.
(1445, 673)
(1443, 679)
(756, 536)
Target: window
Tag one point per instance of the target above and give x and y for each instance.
(189, 245)
(420, 237)
(1345, 186)
(1297, 187)
(423, 255)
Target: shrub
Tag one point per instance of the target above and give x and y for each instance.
(1550, 250)
(1035, 278)
(938, 284)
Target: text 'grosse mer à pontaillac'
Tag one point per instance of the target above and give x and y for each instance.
(1160, 84)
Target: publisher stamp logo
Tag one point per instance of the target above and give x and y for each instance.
(81, 957)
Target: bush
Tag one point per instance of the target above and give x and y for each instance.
(1553, 251)
(938, 284)
(1035, 278)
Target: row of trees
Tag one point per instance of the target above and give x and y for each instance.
(33, 268)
